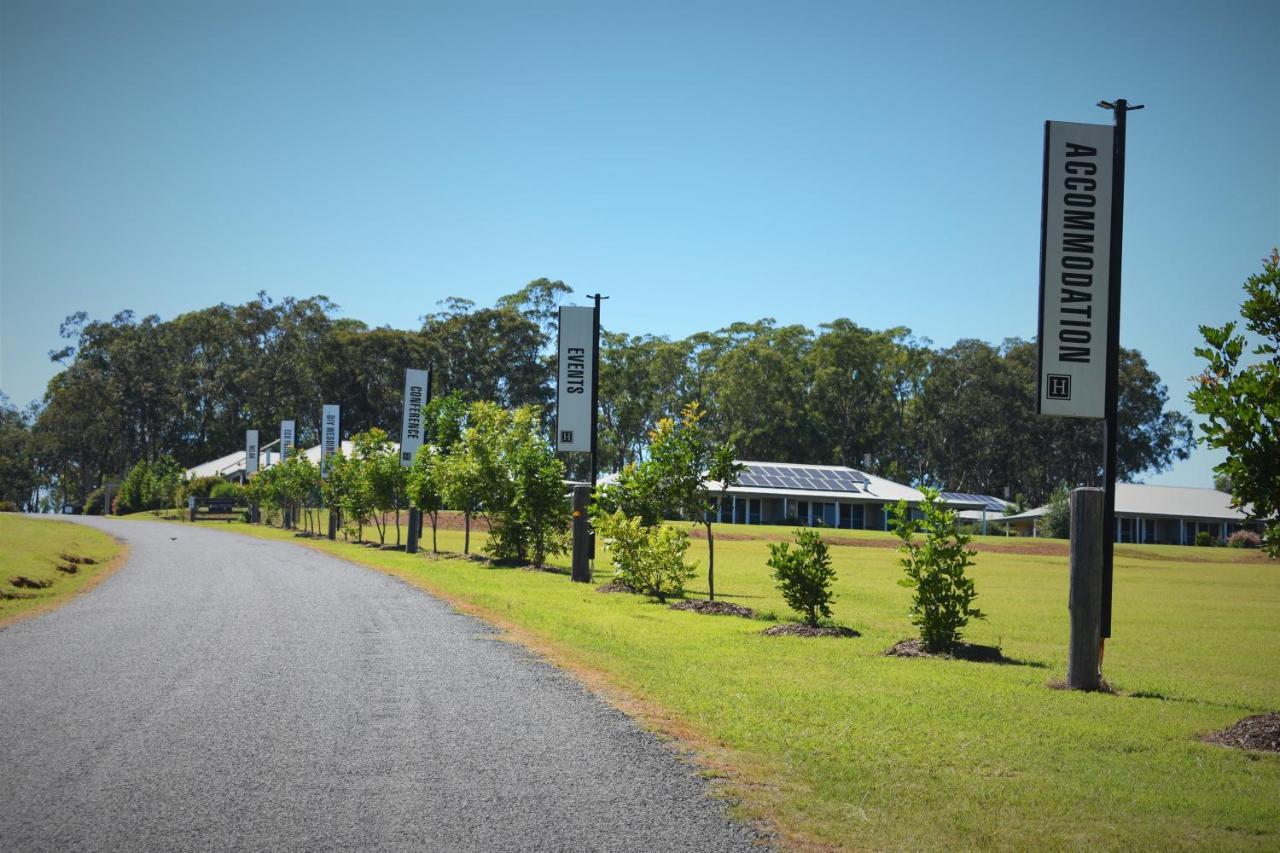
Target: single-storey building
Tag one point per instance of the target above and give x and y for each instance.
(231, 466)
(1168, 515)
(816, 496)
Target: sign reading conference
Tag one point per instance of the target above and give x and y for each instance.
(415, 395)
(1075, 263)
(573, 385)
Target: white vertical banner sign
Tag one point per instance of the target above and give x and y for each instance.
(415, 394)
(287, 431)
(250, 451)
(573, 386)
(329, 436)
(1075, 264)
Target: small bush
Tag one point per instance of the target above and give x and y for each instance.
(1205, 539)
(227, 489)
(95, 502)
(943, 602)
(8, 506)
(803, 575)
(647, 559)
(1244, 539)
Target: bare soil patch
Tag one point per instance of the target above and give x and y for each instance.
(714, 608)
(795, 629)
(914, 648)
(1260, 732)
(615, 586)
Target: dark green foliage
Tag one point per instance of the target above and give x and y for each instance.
(1205, 539)
(95, 503)
(227, 489)
(149, 485)
(1056, 522)
(804, 575)
(942, 604)
(1241, 402)
(8, 506)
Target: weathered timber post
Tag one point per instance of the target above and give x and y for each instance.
(415, 522)
(1084, 663)
(581, 535)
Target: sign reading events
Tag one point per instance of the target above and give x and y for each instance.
(574, 382)
(1075, 264)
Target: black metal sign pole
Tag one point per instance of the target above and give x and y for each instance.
(1110, 427)
(595, 406)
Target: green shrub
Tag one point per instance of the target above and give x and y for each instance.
(227, 489)
(804, 574)
(1244, 539)
(201, 487)
(650, 560)
(1205, 539)
(8, 506)
(943, 602)
(95, 502)
(1056, 522)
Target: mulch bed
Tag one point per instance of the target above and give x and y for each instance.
(795, 629)
(913, 648)
(614, 586)
(1261, 732)
(714, 608)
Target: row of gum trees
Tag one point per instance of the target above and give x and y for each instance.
(481, 459)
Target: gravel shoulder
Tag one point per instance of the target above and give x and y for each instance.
(228, 693)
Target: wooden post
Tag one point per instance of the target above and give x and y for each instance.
(581, 535)
(1084, 663)
(415, 525)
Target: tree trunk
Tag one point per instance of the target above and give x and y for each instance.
(711, 563)
(466, 536)
(433, 534)
(397, 525)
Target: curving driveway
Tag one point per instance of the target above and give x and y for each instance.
(221, 692)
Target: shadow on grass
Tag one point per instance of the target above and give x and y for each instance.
(972, 652)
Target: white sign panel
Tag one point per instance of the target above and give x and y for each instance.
(415, 396)
(250, 451)
(1075, 264)
(287, 432)
(573, 387)
(329, 436)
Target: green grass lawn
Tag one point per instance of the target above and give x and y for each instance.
(32, 549)
(842, 747)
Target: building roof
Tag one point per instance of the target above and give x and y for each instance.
(1160, 501)
(817, 482)
(232, 464)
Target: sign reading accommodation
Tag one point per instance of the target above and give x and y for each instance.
(250, 451)
(329, 436)
(1075, 263)
(287, 431)
(574, 382)
(415, 394)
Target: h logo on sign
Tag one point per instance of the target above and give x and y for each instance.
(566, 436)
(1059, 387)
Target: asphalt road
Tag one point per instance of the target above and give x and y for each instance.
(226, 693)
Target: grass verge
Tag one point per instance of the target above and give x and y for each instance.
(840, 747)
(30, 579)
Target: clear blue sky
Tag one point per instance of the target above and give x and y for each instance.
(700, 163)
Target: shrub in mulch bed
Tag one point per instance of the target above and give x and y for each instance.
(714, 608)
(1260, 732)
(795, 629)
(615, 586)
(914, 648)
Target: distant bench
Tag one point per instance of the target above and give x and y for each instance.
(214, 509)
